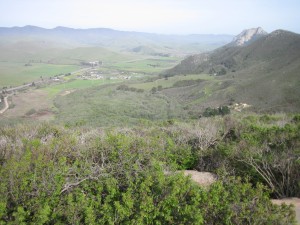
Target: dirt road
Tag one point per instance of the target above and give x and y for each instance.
(5, 105)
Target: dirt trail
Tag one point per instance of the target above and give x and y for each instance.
(6, 105)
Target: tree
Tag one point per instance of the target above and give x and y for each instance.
(222, 71)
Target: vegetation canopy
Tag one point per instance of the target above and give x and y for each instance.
(53, 174)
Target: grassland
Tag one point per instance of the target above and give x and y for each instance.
(76, 84)
(14, 74)
(50, 62)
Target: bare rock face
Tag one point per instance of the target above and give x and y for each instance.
(248, 36)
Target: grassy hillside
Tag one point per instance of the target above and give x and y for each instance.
(107, 106)
(128, 102)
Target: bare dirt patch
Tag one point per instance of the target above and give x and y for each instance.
(43, 114)
(67, 92)
(31, 100)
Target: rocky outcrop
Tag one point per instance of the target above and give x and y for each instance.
(248, 36)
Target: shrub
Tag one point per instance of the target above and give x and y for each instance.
(55, 175)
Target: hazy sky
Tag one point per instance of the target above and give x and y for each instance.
(158, 16)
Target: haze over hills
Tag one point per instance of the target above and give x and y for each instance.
(63, 37)
(263, 72)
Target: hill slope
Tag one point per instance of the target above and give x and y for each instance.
(264, 73)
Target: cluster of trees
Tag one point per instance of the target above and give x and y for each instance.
(222, 110)
(53, 174)
(184, 83)
(219, 72)
(156, 89)
(124, 87)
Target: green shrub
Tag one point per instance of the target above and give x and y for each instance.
(57, 175)
(222, 110)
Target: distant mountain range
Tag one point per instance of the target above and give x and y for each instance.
(64, 37)
(258, 68)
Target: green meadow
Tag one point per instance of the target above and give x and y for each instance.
(15, 74)
(76, 84)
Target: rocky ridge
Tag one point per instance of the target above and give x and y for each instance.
(248, 36)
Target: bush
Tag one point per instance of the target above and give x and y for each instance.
(55, 175)
(234, 201)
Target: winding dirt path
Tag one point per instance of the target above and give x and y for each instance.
(6, 105)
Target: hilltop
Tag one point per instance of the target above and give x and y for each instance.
(263, 73)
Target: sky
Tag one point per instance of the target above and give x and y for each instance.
(155, 16)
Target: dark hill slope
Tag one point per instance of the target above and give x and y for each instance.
(265, 73)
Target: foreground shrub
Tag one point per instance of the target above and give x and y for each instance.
(54, 175)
